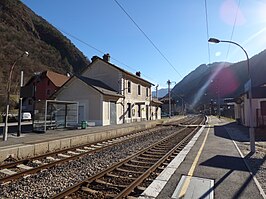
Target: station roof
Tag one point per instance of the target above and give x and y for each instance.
(99, 86)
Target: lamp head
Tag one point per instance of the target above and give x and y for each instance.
(26, 53)
(214, 40)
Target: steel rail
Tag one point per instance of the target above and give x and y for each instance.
(66, 159)
(141, 178)
(79, 185)
(25, 161)
(73, 188)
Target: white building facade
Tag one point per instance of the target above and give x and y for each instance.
(107, 95)
(242, 108)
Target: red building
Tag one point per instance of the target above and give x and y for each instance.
(40, 87)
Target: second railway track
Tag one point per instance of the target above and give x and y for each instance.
(131, 176)
(53, 179)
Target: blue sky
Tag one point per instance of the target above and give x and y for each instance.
(177, 28)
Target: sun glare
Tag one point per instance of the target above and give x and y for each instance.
(217, 54)
(261, 13)
(228, 12)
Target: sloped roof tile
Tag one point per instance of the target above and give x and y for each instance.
(99, 86)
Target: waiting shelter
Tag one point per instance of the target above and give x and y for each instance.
(53, 114)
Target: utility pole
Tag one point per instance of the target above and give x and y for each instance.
(219, 103)
(20, 105)
(8, 94)
(157, 91)
(169, 97)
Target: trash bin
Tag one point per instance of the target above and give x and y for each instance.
(83, 124)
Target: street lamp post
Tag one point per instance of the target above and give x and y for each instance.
(8, 93)
(251, 122)
(169, 97)
(20, 105)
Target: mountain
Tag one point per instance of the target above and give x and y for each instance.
(220, 80)
(22, 30)
(161, 92)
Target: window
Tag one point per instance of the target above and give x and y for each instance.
(129, 110)
(139, 90)
(147, 92)
(30, 102)
(263, 107)
(129, 87)
(48, 92)
(139, 110)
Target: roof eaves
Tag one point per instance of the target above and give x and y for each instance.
(62, 87)
(100, 90)
(122, 70)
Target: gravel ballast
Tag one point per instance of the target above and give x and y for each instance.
(50, 181)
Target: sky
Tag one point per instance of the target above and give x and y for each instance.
(179, 30)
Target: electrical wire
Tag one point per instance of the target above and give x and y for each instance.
(146, 36)
(100, 51)
(207, 29)
(232, 33)
(81, 41)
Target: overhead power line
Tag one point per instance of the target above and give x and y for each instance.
(207, 29)
(152, 43)
(233, 29)
(100, 51)
(81, 41)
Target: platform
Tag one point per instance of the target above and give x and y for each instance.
(31, 144)
(210, 166)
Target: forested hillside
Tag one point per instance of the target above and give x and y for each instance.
(22, 30)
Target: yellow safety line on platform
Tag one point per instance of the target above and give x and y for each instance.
(193, 167)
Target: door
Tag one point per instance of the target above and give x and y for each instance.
(112, 113)
(147, 112)
(81, 114)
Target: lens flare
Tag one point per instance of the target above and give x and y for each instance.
(217, 54)
(203, 89)
(223, 81)
(228, 12)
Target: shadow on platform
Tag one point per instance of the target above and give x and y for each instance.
(238, 133)
(231, 164)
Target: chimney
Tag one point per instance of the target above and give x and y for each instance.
(106, 57)
(138, 73)
(94, 58)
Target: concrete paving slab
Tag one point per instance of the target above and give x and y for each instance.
(154, 190)
(41, 148)
(54, 145)
(65, 143)
(197, 188)
(5, 153)
(25, 151)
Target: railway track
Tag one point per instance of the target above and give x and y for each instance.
(33, 165)
(53, 180)
(131, 176)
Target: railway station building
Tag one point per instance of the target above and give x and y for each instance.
(107, 94)
(242, 112)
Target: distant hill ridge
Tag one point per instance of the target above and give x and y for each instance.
(22, 30)
(227, 80)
